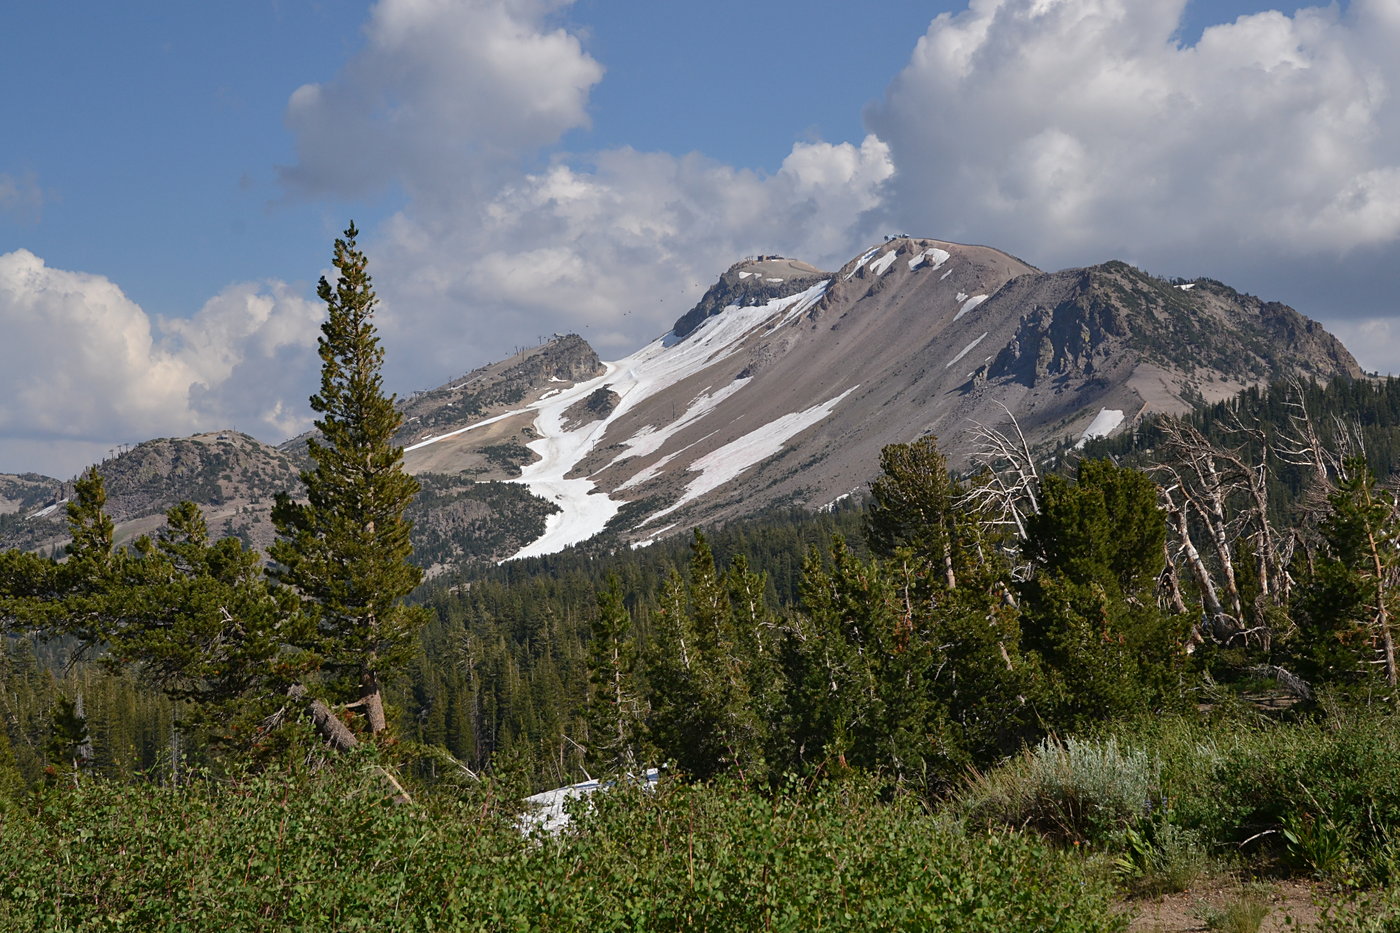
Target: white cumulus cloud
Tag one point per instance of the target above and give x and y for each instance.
(457, 103)
(442, 92)
(1070, 130)
(83, 367)
(615, 250)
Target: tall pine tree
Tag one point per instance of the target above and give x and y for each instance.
(346, 548)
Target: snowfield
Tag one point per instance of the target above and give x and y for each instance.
(664, 362)
(1104, 424)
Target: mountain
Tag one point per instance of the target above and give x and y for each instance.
(784, 382)
(234, 479)
(780, 387)
(232, 476)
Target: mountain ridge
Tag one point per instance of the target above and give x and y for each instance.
(782, 384)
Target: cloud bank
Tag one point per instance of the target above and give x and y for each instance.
(1065, 131)
(1069, 127)
(83, 368)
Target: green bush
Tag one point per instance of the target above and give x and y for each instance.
(1324, 797)
(331, 851)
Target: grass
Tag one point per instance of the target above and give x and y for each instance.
(1243, 913)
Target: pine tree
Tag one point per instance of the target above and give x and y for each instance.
(346, 548)
(202, 622)
(1346, 600)
(614, 714)
(913, 507)
(1089, 610)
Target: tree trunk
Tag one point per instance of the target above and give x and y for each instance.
(372, 702)
(335, 733)
(1382, 593)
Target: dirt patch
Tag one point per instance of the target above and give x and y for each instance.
(1190, 911)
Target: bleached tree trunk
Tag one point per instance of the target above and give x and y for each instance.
(1210, 601)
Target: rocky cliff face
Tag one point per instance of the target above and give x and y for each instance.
(1082, 322)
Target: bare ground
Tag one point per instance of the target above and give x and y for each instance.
(1292, 906)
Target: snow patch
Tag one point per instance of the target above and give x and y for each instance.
(1104, 424)
(725, 463)
(546, 811)
(744, 275)
(46, 510)
(964, 351)
(434, 438)
(968, 304)
(882, 265)
(831, 506)
(933, 255)
(649, 439)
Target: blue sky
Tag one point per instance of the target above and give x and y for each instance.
(172, 174)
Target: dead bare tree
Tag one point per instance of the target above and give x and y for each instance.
(1006, 490)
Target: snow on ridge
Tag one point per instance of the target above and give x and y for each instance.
(934, 255)
(968, 303)
(860, 262)
(1104, 424)
(434, 438)
(882, 265)
(804, 303)
(722, 464)
(965, 351)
